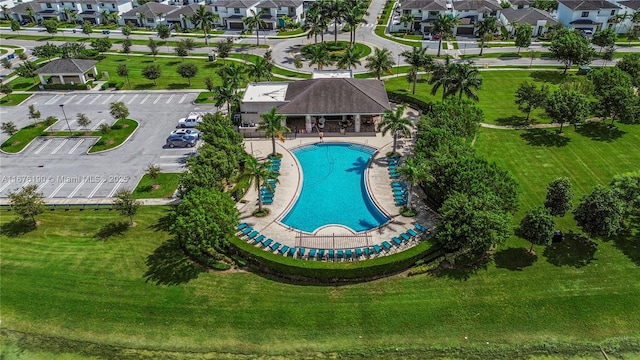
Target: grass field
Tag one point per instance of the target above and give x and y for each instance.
(13, 99)
(163, 187)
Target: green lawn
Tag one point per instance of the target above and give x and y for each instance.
(163, 187)
(120, 132)
(13, 99)
(24, 136)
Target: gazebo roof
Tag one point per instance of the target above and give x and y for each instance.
(66, 66)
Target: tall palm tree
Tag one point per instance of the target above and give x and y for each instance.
(312, 23)
(465, 78)
(335, 10)
(395, 122)
(406, 19)
(441, 77)
(233, 75)
(104, 17)
(380, 62)
(255, 22)
(413, 172)
(141, 18)
(5, 11)
(31, 15)
(205, 20)
(226, 94)
(319, 55)
(272, 126)
(348, 59)
(67, 14)
(260, 173)
(260, 69)
(444, 26)
(487, 26)
(353, 16)
(417, 58)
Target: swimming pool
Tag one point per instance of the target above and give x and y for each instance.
(333, 189)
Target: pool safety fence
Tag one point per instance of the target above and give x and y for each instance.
(333, 241)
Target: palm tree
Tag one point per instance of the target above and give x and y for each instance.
(413, 172)
(255, 22)
(31, 15)
(443, 26)
(319, 54)
(354, 16)
(272, 126)
(417, 58)
(233, 75)
(348, 59)
(487, 26)
(335, 10)
(441, 77)
(312, 23)
(380, 62)
(205, 20)
(5, 11)
(464, 79)
(67, 14)
(104, 17)
(259, 70)
(226, 94)
(618, 18)
(396, 123)
(260, 174)
(406, 19)
(141, 18)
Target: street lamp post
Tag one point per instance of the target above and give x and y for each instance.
(398, 65)
(65, 118)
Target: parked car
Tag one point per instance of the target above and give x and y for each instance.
(194, 132)
(436, 36)
(427, 36)
(177, 140)
(190, 121)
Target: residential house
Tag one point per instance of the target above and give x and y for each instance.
(630, 8)
(521, 4)
(540, 20)
(95, 11)
(470, 12)
(23, 12)
(232, 12)
(424, 12)
(182, 15)
(587, 15)
(274, 12)
(149, 15)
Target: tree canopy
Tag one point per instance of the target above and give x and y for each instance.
(570, 48)
(559, 198)
(600, 213)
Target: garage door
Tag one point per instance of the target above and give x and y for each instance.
(236, 25)
(268, 26)
(465, 30)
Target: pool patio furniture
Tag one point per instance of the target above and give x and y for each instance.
(292, 251)
(340, 254)
(386, 245)
(275, 246)
(253, 234)
(312, 253)
(267, 242)
(412, 232)
(367, 251)
(396, 240)
(348, 253)
(321, 254)
(301, 252)
(332, 254)
(283, 250)
(259, 239)
(358, 252)
(420, 228)
(405, 237)
(242, 226)
(377, 248)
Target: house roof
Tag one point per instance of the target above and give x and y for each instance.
(287, 3)
(429, 5)
(631, 4)
(588, 4)
(482, 6)
(335, 96)
(241, 4)
(529, 16)
(584, 22)
(149, 10)
(21, 8)
(186, 10)
(521, 2)
(67, 66)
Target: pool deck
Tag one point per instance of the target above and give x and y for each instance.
(333, 237)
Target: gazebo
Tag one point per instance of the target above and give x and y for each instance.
(66, 71)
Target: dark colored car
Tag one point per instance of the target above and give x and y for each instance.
(178, 140)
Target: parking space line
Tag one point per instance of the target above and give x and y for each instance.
(170, 98)
(145, 99)
(94, 100)
(73, 193)
(182, 98)
(5, 186)
(69, 100)
(52, 100)
(81, 100)
(97, 125)
(115, 188)
(59, 146)
(56, 190)
(75, 147)
(46, 143)
(133, 98)
(171, 156)
(42, 186)
(158, 99)
(107, 99)
(121, 97)
(95, 189)
(166, 165)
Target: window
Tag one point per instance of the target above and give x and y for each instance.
(89, 7)
(613, 12)
(292, 10)
(433, 13)
(215, 8)
(150, 20)
(113, 6)
(48, 6)
(236, 10)
(585, 14)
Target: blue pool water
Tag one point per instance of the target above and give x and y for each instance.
(333, 189)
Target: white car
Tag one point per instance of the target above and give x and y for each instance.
(194, 132)
(190, 121)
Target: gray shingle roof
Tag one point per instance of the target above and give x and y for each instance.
(149, 10)
(66, 66)
(21, 8)
(632, 4)
(240, 4)
(186, 10)
(479, 5)
(529, 16)
(430, 5)
(335, 96)
(588, 4)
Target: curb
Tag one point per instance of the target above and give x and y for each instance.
(115, 147)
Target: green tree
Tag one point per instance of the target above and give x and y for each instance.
(6, 63)
(153, 171)
(412, 171)
(152, 72)
(101, 44)
(224, 47)
(27, 202)
(614, 90)
(488, 26)
(394, 122)
(380, 62)
(260, 174)
(205, 20)
(226, 94)
(523, 36)
(464, 79)
(272, 125)
(319, 55)
(570, 48)
(600, 213)
(26, 69)
(537, 227)
(6, 89)
(153, 48)
(33, 113)
(233, 75)
(126, 204)
(187, 71)
(567, 106)
(126, 30)
(51, 26)
(124, 72)
(530, 97)
(208, 82)
(15, 26)
(87, 29)
(459, 117)
(126, 45)
(254, 21)
(441, 77)
(444, 26)
(9, 128)
(417, 58)
(348, 58)
(164, 32)
(118, 110)
(406, 19)
(83, 120)
(604, 38)
(559, 198)
(47, 51)
(259, 70)
(627, 188)
(181, 49)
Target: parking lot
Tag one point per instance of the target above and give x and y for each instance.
(61, 167)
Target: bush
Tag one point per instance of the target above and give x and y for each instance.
(411, 101)
(65, 87)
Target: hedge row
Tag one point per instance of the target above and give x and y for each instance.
(408, 99)
(326, 271)
(67, 86)
(112, 84)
